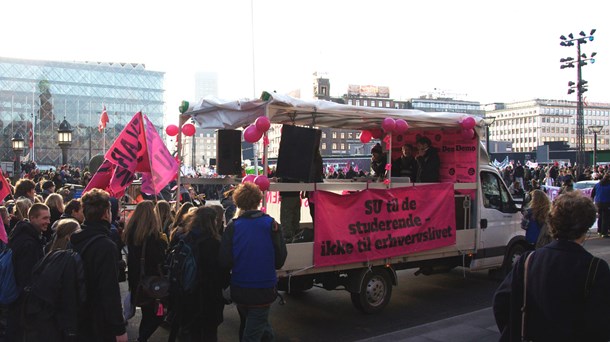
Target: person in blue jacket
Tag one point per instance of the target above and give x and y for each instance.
(601, 197)
(253, 247)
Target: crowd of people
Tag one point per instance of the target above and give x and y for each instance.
(235, 248)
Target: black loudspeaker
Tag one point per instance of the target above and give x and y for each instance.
(295, 159)
(228, 152)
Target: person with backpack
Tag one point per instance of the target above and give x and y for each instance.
(54, 297)
(253, 247)
(102, 316)
(142, 235)
(198, 306)
(559, 291)
(26, 243)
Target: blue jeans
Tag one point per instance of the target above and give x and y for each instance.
(254, 324)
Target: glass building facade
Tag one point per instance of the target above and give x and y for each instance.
(36, 96)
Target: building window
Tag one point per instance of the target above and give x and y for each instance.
(342, 135)
(323, 146)
(323, 135)
(343, 146)
(349, 102)
(373, 103)
(365, 103)
(334, 135)
(357, 102)
(334, 146)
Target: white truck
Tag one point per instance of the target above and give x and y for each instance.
(480, 221)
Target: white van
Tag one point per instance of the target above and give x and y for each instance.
(469, 219)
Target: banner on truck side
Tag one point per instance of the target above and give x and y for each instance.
(376, 224)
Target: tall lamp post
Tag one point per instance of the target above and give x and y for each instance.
(595, 130)
(18, 145)
(64, 139)
(580, 87)
(489, 120)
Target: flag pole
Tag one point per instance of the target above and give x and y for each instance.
(184, 106)
(143, 127)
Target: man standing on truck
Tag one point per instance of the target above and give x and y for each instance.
(405, 165)
(378, 161)
(428, 161)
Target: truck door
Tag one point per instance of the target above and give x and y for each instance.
(501, 218)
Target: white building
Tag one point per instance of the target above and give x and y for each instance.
(528, 124)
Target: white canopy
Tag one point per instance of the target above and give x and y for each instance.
(283, 109)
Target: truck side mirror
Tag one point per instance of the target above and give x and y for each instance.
(483, 223)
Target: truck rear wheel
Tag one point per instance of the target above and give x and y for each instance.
(375, 292)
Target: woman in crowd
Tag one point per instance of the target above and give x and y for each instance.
(20, 211)
(65, 229)
(164, 213)
(601, 197)
(535, 219)
(143, 235)
(565, 287)
(220, 224)
(56, 206)
(199, 314)
(177, 228)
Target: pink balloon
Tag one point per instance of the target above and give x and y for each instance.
(365, 136)
(401, 126)
(172, 130)
(248, 178)
(263, 182)
(468, 133)
(468, 122)
(188, 129)
(388, 124)
(376, 133)
(251, 134)
(262, 123)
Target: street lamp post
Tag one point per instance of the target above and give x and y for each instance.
(489, 120)
(64, 139)
(580, 87)
(595, 130)
(18, 144)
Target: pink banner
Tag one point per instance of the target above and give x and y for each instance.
(458, 155)
(163, 165)
(376, 224)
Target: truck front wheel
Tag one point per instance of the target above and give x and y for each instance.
(375, 292)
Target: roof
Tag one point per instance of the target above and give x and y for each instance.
(282, 109)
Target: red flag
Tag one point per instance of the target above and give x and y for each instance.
(5, 189)
(103, 120)
(31, 137)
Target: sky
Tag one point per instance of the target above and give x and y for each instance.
(486, 51)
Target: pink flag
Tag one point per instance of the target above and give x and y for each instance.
(5, 189)
(135, 150)
(163, 166)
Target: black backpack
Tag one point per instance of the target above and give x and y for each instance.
(58, 282)
(182, 268)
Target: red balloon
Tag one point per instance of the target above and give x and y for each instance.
(468, 122)
(248, 178)
(262, 123)
(252, 135)
(262, 181)
(188, 129)
(401, 126)
(365, 136)
(376, 133)
(388, 124)
(172, 130)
